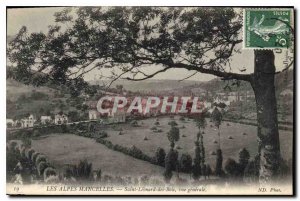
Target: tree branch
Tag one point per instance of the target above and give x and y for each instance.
(225, 75)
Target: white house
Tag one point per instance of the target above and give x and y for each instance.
(207, 104)
(60, 119)
(93, 114)
(28, 122)
(10, 123)
(46, 119)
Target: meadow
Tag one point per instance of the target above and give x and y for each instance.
(243, 136)
(63, 149)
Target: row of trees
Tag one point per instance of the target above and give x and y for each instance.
(196, 166)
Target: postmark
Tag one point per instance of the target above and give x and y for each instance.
(267, 28)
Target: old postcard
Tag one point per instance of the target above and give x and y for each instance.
(150, 101)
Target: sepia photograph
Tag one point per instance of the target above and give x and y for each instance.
(149, 100)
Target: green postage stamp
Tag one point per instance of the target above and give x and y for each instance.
(267, 28)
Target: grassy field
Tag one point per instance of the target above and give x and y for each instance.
(230, 147)
(62, 149)
(15, 89)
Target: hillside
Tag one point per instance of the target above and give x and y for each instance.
(283, 81)
(15, 89)
(150, 85)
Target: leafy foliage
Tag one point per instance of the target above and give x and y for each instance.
(186, 163)
(216, 117)
(89, 38)
(219, 162)
(160, 155)
(173, 135)
(197, 161)
(244, 157)
(232, 168)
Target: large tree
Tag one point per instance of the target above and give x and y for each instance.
(132, 39)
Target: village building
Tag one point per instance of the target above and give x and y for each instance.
(28, 122)
(93, 114)
(60, 119)
(207, 105)
(10, 123)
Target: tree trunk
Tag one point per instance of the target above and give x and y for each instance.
(268, 137)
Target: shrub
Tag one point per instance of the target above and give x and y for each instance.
(12, 158)
(41, 167)
(97, 175)
(208, 170)
(22, 152)
(186, 163)
(84, 170)
(102, 134)
(170, 164)
(243, 160)
(49, 171)
(168, 173)
(172, 159)
(12, 145)
(36, 133)
(81, 171)
(29, 152)
(173, 135)
(172, 123)
(232, 168)
(34, 156)
(197, 161)
(160, 155)
(251, 172)
(132, 151)
(40, 158)
(134, 123)
(154, 128)
(219, 162)
(52, 179)
(26, 141)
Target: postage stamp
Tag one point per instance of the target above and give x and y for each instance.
(267, 28)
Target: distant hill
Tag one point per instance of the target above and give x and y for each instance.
(283, 81)
(151, 84)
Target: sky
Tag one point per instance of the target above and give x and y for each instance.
(38, 20)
